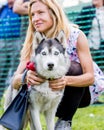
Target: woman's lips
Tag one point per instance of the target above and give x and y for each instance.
(38, 24)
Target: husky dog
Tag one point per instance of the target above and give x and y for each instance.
(51, 62)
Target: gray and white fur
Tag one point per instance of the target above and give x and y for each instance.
(51, 62)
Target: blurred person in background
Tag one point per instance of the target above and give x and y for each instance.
(21, 7)
(9, 43)
(91, 22)
(2, 3)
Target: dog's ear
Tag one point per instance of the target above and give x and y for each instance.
(38, 37)
(62, 38)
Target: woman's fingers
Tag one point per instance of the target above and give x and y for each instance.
(33, 78)
(33, 82)
(58, 84)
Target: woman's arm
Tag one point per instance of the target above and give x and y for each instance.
(17, 79)
(21, 7)
(32, 77)
(87, 77)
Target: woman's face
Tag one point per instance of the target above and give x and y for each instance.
(41, 18)
(97, 3)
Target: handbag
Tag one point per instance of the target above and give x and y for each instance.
(14, 116)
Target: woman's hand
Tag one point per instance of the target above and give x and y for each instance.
(58, 84)
(32, 78)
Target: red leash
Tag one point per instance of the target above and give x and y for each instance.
(30, 66)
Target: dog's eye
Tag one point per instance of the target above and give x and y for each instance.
(56, 53)
(44, 53)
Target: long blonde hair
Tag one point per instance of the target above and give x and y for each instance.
(60, 23)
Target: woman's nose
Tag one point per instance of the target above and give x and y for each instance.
(35, 17)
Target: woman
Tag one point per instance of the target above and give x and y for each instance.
(47, 17)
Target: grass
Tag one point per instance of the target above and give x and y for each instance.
(89, 118)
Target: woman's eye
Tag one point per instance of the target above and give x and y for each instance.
(44, 53)
(41, 12)
(56, 53)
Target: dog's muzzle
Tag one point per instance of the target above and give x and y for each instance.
(50, 66)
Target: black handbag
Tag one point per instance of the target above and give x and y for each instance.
(14, 116)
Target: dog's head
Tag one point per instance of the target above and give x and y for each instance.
(50, 55)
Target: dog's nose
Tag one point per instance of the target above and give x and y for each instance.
(50, 66)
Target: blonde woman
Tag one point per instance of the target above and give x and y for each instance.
(47, 17)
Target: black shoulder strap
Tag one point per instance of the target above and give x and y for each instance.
(24, 76)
